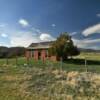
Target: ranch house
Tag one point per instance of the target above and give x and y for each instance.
(39, 51)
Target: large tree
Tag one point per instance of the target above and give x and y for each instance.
(63, 47)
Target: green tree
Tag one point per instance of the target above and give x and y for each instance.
(63, 47)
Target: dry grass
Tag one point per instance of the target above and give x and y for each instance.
(27, 83)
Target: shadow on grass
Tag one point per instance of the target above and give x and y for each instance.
(82, 62)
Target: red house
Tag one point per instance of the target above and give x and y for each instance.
(39, 51)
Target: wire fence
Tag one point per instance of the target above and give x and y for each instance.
(81, 66)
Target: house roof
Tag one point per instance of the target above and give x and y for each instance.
(40, 45)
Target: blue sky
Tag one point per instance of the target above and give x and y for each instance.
(26, 21)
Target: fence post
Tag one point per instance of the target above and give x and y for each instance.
(86, 64)
(16, 60)
(27, 59)
(61, 63)
(7, 60)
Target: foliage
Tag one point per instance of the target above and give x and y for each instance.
(63, 47)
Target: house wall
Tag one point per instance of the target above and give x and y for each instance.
(27, 54)
(35, 56)
(43, 55)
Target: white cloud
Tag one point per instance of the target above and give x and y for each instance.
(2, 25)
(73, 33)
(79, 43)
(23, 39)
(3, 43)
(26, 38)
(86, 43)
(46, 37)
(98, 15)
(23, 22)
(4, 35)
(92, 30)
(36, 30)
(53, 25)
(91, 40)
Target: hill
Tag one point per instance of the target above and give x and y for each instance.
(6, 52)
(89, 50)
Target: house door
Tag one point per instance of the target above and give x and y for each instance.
(39, 55)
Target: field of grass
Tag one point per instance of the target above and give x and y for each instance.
(33, 83)
(90, 56)
(76, 64)
(50, 80)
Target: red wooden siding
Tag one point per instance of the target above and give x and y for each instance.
(39, 54)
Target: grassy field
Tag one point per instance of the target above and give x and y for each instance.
(34, 83)
(76, 64)
(50, 80)
(90, 56)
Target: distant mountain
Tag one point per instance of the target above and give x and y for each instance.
(88, 50)
(6, 52)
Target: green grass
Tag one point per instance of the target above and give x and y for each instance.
(90, 56)
(47, 80)
(33, 83)
(76, 64)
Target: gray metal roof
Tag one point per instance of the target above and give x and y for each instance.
(41, 45)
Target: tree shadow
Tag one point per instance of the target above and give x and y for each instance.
(82, 61)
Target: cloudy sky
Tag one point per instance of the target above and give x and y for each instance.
(25, 21)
